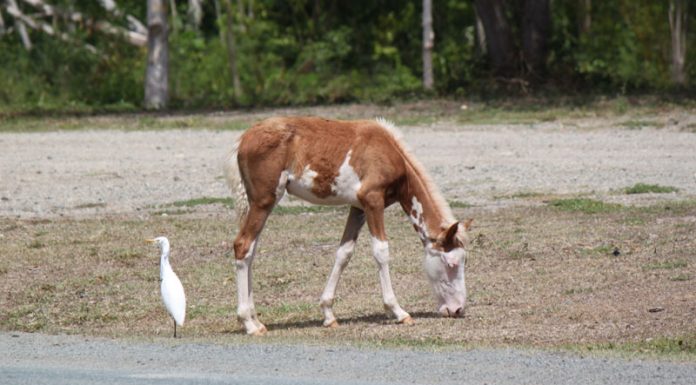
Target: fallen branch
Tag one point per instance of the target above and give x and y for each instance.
(45, 28)
(132, 37)
(21, 28)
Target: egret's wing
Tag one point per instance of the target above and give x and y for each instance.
(173, 297)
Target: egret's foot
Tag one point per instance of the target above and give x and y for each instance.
(407, 321)
(332, 324)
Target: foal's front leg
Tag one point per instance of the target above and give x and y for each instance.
(374, 209)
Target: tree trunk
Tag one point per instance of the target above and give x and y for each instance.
(584, 16)
(536, 29)
(232, 49)
(157, 73)
(480, 36)
(2, 25)
(195, 13)
(677, 26)
(428, 43)
(175, 16)
(498, 36)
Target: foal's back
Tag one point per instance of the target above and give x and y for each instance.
(320, 160)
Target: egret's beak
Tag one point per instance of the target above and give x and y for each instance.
(150, 241)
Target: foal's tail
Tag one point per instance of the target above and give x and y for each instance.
(236, 184)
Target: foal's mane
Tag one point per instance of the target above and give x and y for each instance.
(439, 202)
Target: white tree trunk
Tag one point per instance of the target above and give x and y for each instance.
(2, 25)
(584, 16)
(480, 36)
(428, 43)
(232, 49)
(157, 73)
(195, 13)
(677, 26)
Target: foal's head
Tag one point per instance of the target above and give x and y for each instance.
(444, 266)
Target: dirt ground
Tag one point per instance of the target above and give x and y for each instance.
(76, 205)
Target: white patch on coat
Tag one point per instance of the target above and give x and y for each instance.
(282, 186)
(416, 217)
(347, 184)
(344, 188)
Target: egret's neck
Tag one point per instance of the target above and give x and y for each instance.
(164, 261)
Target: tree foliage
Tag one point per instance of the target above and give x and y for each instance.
(314, 51)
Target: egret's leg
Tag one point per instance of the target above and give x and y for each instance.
(356, 219)
(174, 329)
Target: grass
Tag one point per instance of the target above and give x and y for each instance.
(537, 276)
(666, 265)
(227, 202)
(642, 188)
(459, 204)
(636, 124)
(584, 205)
(636, 112)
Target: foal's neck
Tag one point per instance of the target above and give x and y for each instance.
(427, 210)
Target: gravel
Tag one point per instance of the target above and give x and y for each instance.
(38, 359)
(123, 172)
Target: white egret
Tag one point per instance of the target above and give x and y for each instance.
(172, 291)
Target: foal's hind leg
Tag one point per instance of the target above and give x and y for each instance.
(260, 206)
(356, 219)
(244, 250)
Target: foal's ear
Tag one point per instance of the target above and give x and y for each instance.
(450, 236)
(467, 224)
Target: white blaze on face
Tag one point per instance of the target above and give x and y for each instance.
(447, 279)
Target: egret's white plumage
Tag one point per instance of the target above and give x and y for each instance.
(172, 290)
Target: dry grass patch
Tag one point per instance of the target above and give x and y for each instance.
(536, 276)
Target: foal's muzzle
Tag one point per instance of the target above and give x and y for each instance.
(452, 312)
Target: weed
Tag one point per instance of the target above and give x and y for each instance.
(680, 278)
(294, 210)
(459, 204)
(639, 124)
(587, 206)
(667, 265)
(642, 188)
(228, 202)
(91, 205)
(581, 290)
(662, 346)
(36, 244)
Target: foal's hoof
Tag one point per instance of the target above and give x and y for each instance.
(407, 321)
(261, 331)
(331, 325)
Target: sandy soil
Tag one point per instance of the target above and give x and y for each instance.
(100, 172)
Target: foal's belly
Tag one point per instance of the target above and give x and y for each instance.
(342, 190)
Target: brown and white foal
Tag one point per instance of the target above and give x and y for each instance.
(363, 164)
